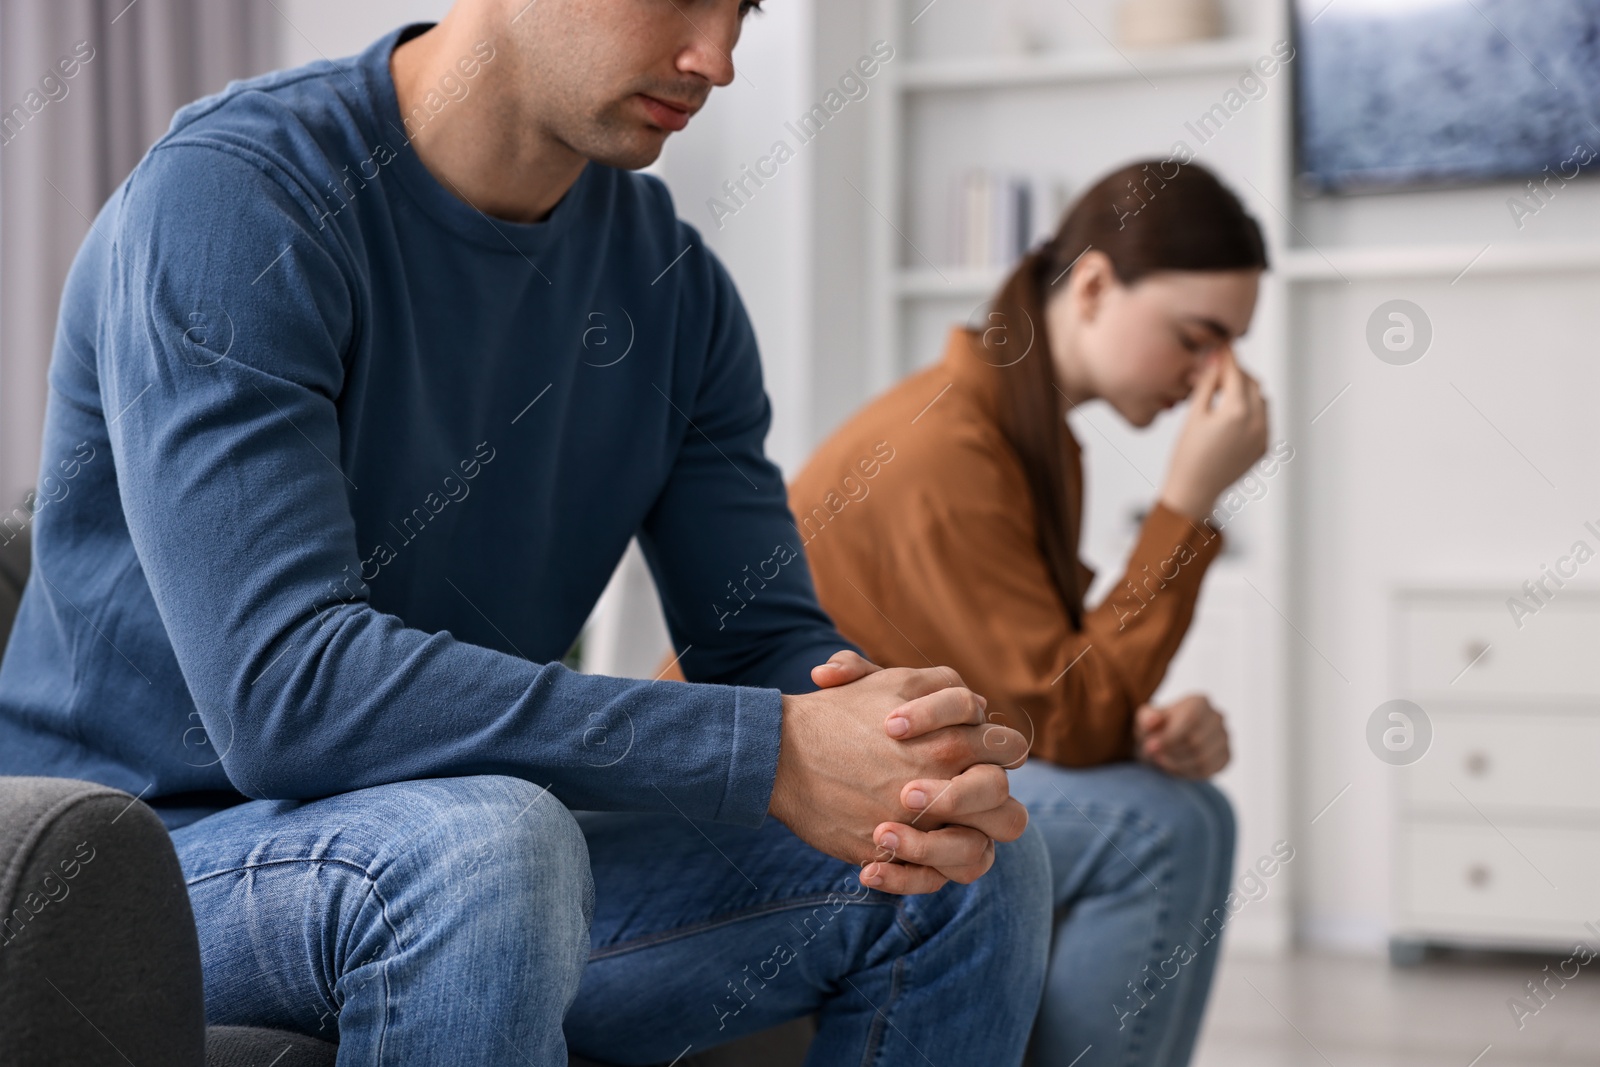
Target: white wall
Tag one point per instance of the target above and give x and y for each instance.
(315, 29)
(767, 247)
(1403, 482)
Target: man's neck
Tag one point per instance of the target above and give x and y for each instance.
(484, 147)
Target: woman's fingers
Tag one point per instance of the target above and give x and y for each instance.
(1184, 743)
(1206, 387)
(959, 853)
(1215, 755)
(1199, 767)
(1192, 741)
(1233, 377)
(1201, 759)
(1149, 720)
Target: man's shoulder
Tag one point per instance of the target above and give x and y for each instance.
(298, 126)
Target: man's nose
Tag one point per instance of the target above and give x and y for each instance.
(709, 49)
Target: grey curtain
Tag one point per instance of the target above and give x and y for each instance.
(66, 142)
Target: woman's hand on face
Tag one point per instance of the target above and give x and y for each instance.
(1225, 433)
(1187, 738)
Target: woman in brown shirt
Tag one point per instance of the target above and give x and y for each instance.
(941, 524)
(942, 521)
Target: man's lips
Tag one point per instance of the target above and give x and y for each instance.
(667, 116)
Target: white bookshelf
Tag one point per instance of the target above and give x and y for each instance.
(1437, 261)
(1080, 112)
(945, 282)
(1078, 66)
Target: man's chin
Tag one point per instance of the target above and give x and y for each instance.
(634, 154)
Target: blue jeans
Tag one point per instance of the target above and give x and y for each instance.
(465, 921)
(1141, 863)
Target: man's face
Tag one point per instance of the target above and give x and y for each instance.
(612, 79)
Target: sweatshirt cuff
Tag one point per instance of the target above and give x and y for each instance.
(1175, 547)
(753, 761)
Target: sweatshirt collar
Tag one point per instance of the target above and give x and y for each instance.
(442, 205)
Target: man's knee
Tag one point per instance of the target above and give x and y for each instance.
(519, 832)
(504, 855)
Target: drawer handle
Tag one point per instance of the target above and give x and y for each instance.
(1477, 876)
(1477, 764)
(1475, 651)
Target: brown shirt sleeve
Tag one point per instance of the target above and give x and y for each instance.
(988, 608)
(1138, 627)
(668, 670)
(939, 563)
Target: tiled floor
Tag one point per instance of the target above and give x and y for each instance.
(1339, 1011)
(1334, 1011)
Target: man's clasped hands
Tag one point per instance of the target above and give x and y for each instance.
(903, 770)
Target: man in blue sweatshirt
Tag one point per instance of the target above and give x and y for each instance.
(346, 466)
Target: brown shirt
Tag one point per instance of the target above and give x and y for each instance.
(920, 532)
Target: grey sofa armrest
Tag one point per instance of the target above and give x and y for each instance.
(15, 561)
(99, 961)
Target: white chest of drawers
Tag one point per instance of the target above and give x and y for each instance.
(1497, 835)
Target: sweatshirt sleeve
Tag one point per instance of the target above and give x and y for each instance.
(226, 315)
(735, 585)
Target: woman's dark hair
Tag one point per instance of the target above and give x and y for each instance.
(1147, 217)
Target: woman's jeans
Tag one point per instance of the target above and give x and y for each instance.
(476, 921)
(1141, 864)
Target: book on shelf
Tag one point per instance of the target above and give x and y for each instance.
(996, 216)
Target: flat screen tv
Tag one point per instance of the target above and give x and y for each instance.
(1396, 93)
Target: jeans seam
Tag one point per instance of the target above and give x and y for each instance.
(372, 889)
(876, 1035)
(1140, 1022)
(906, 923)
(622, 948)
(1195, 989)
(197, 879)
(873, 1049)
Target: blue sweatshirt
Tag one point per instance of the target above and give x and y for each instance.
(336, 466)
